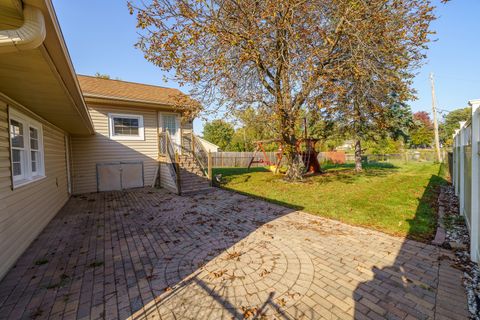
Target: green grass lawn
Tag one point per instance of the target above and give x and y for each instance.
(393, 198)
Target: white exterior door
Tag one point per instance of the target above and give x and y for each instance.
(171, 122)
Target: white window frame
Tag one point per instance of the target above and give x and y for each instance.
(27, 175)
(141, 129)
(38, 161)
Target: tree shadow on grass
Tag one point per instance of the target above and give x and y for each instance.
(331, 173)
(346, 174)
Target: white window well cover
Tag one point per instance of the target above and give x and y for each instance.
(126, 127)
(26, 147)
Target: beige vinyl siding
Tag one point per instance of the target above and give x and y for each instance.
(87, 151)
(26, 210)
(167, 179)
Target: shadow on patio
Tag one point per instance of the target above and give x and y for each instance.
(420, 283)
(111, 255)
(150, 254)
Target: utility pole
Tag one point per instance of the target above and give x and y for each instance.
(435, 123)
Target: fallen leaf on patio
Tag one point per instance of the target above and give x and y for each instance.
(459, 266)
(406, 280)
(234, 255)
(249, 312)
(264, 272)
(218, 274)
(292, 295)
(168, 289)
(281, 302)
(95, 264)
(363, 269)
(233, 277)
(443, 257)
(150, 277)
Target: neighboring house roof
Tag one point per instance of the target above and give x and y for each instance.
(208, 145)
(96, 87)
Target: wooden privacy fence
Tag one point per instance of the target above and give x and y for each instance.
(466, 174)
(242, 159)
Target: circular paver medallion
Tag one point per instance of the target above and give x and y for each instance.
(252, 274)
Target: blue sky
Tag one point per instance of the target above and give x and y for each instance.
(100, 36)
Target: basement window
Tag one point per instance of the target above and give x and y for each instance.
(26, 149)
(126, 127)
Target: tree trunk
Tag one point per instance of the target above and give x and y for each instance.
(358, 156)
(295, 167)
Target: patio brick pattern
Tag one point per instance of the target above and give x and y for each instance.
(149, 254)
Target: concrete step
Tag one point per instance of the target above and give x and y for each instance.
(191, 167)
(194, 182)
(195, 187)
(192, 172)
(197, 173)
(191, 181)
(192, 177)
(187, 165)
(198, 191)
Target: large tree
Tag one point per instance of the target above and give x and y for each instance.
(422, 134)
(451, 122)
(281, 55)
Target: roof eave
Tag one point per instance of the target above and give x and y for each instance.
(70, 82)
(118, 101)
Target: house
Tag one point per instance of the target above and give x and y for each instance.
(208, 146)
(128, 119)
(63, 134)
(347, 145)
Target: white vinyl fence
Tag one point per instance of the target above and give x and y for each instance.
(466, 174)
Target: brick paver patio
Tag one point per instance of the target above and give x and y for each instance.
(150, 254)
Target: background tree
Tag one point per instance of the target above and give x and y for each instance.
(254, 125)
(385, 145)
(386, 41)
(422, 134)
(219, 132)
(400, 122)
(451, 122)
(327, 131)
(102, 75)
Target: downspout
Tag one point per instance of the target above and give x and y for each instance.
(29, 36)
